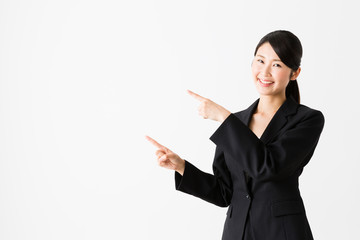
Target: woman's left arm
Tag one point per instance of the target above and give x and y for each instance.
(279, 158)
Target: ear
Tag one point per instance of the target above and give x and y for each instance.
(295, 74)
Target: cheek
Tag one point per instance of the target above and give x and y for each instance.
(255, 70)
(283, 75)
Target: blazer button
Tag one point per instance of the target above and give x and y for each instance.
(248, 197)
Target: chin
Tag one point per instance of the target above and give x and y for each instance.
(263, 91)
(265, 94)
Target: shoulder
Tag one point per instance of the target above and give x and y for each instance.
(306, 118)
(307, 112)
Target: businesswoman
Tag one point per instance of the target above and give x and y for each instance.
(260, 151)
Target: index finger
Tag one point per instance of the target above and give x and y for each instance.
(195, 95)
(155, 143)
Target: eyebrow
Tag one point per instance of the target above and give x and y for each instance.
(264, 57)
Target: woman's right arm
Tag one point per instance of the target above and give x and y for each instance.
(216, 188)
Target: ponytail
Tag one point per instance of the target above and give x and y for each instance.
(292, 91)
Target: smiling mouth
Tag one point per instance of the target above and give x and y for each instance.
(264, 82)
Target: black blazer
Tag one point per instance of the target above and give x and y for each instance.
(258, 178)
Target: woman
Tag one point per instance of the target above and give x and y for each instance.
(260, 151)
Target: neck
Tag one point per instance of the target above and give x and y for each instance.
(268, 105)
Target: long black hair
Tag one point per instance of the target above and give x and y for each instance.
(288, 47)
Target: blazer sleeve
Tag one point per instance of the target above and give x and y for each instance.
(216, 188)
(276, 159)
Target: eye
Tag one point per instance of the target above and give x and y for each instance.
(259, 60)
(277, 65)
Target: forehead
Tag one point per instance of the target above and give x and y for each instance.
(266, 51)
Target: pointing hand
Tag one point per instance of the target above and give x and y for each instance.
(209, 109)
(166, 158)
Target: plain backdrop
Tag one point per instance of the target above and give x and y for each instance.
(82, 83)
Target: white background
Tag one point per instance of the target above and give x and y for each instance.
(82, 82)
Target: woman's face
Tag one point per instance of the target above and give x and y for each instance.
(270, 75)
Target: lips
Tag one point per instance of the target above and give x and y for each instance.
(265, 83)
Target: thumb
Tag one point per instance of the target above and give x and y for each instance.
(163, 157)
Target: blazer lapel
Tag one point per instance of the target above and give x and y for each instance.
(246, 115)
(277, 122)
(279, 119)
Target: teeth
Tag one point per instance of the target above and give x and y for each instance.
(266, 82)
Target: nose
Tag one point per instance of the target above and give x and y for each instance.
(266, 70)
